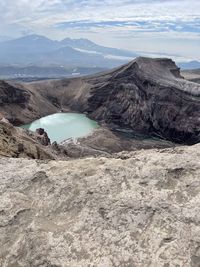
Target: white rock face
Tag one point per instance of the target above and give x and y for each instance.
(141, 209)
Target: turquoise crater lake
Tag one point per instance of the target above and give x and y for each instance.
(61, 126)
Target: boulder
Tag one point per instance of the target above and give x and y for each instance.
(42, 137)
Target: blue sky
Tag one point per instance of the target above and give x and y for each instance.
(159, 26)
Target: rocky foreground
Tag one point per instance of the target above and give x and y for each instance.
(137, 209)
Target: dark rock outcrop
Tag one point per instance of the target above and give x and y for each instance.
(42, 137)
(12, 95)
(20, 105)
(151, 98)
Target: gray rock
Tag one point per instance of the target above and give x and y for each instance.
(141, 209)
(55, 146)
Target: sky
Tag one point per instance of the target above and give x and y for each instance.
(153, 26)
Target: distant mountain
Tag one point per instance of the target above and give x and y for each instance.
(82, 54)
(35, 49)
(87, 45)
(189, 65)
(30, 44)
(25, 50)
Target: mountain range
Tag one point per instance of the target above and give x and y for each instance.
(37, 56)
(39, 50)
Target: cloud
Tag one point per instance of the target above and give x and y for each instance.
(105, 21)
(135, 25)
(95, 10)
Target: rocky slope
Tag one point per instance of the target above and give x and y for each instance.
(16, 143)
(138, 209)
(149, 97)
(20, 105)
(102, 141)
(146, 96)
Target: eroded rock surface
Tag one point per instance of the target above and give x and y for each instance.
(141, 209)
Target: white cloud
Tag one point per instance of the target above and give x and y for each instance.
(67, 10)
(153, 23)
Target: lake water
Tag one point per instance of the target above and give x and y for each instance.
(61, 126)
